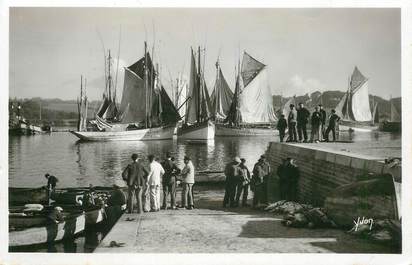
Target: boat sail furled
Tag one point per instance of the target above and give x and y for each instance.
(252, 104)
(146, 111)
(197, 124)
(221, 96)
(354, 107)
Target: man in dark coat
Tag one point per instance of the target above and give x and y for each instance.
(292, 174)
(315, 121)
(135, 175)
(233, 174)
(283, 181)
(243, 184)
(322, 120)
(51, 184)
(281, 126)
(302, 120)
(292, 119)
(333, 121)
(169, 181)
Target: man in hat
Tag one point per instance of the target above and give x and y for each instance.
(333, 121)
(302, 119)
(292, 175)
(283, 180)
(169, 181)
(292, 118)
(316, 123)
(135, 175)
(233, 175)
(323, 122)
(281, 126)
(266, 172)
(243, 184)
(188, 179)
(257, 182)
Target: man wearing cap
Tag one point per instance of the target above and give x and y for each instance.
(135, 175)
(292, 174)
(316, 123)
(257, 182)
(51, 184)
(243, 184)
(292, 118)
(283, 179)
(323, 121)
(281, 126)
(233, 175)
(302, 120)
(169, 181)
(188, 175)
(333, 120)
(266, 172)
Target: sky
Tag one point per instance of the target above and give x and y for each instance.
(305, 50)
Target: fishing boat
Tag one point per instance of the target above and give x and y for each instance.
(354, 108)
(73, 224)
(18, 125)
(20, 218)
(394, 124)
(146, 112)
(21, 196)
(251, 112)
(198, 124)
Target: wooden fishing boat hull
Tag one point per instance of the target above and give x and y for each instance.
(202, 131)
(49, 233)
(357, 127)
(225, 130)
(388, 126)
(21, 196)
(158, 133)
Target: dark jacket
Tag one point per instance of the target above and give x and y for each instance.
(292, 173)
(282, 125)
(52, 181)
(292, 117)
(117, 198)
(333, 119)
(316, 118)
(233, 172)
(136, 174)
(303, 115)
(322, 116)
(171, 170)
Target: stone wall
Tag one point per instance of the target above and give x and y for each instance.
(322, 171)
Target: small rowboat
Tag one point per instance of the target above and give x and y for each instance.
(20, 196)
(73, 224)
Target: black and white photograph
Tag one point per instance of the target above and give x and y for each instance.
(205, 130)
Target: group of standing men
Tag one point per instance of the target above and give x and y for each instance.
(297, 121)
(144, 183)
(239, 179)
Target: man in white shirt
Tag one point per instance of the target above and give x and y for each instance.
(153, 181)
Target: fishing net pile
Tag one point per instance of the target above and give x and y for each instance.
(300, 215)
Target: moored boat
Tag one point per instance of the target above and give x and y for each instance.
(197, 124)
(146, 112)
(251, 112)
(354, 108)
(21, 196)
(394, 123)
(72, 225)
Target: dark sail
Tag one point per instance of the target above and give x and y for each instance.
(234, 116)
(221, 96)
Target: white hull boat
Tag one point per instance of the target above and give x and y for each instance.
(147, 134)
(224, 130)
(202, 131)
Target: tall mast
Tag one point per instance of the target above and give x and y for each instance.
(146, 84)
(347, 100)
(109, 76)
(198, 87)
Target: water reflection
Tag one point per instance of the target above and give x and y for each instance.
(99, 163)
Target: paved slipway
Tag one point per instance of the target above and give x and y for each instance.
(212, 229)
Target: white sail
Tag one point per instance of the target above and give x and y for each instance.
(360, 103)
(256, 102)
(182, 95)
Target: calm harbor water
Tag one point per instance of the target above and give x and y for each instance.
(77, 163)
